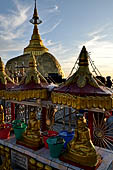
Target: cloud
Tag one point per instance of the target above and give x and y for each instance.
(99, 30)
(12, 29)
(97, 43)
(101, 49)
(10, 23)
(51, 28)
(53, 9)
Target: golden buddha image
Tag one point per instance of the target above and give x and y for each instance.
(32, 133)
(81, 149)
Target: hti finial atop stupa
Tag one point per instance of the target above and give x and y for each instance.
(36, 45)
(35, 19)
(83, 57)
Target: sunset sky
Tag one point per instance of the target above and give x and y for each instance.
(67, 26)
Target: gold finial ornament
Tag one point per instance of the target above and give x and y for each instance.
(83, 57)
(36, 45)
(2, 67)
(2, 73)
(3, 76)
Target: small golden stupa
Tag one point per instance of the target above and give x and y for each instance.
(47, 63)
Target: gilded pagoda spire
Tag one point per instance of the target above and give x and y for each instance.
(36, 45)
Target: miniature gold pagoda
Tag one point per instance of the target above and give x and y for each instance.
(81, 149)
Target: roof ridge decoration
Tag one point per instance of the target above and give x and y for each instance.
(33, 74)
(36, 45)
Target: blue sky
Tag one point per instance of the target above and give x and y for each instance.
(67, 26)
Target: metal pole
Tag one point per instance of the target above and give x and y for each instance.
(64, 119)
(69, 119)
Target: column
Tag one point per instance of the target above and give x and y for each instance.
(43, 118)
(90, 123)
(12, 111)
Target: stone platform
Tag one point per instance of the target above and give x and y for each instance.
(44, 157)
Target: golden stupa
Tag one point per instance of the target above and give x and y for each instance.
(46, 62)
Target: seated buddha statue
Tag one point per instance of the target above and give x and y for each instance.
(32, 133)
(81, 149)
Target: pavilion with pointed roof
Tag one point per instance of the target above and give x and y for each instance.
(47, 63)
(32, 85)
(82, 90)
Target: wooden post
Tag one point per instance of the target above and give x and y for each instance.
(12, 111)
(90, 123)
(43, 118)
(25, 111)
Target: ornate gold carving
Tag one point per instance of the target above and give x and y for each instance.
(82, 102)
(5, 153)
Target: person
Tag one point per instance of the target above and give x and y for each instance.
(108, 81)
(102, 79)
